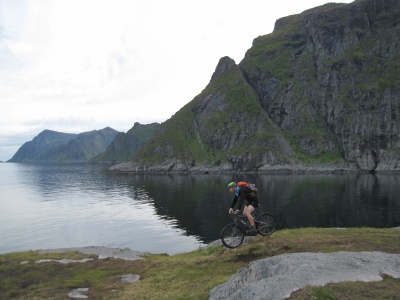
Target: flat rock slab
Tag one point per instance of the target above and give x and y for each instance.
(102, 252)
(65, 261)
(130, 278)
(78, 293)
(277, 277)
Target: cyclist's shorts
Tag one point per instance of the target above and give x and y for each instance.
(253, 202)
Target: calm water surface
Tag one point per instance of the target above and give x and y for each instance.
(53, 206)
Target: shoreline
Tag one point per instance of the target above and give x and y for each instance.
(129, 168)
(128, 254)
(100, 251)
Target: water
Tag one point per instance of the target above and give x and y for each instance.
(52, 206)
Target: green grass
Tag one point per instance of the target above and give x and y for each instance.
(388, 288)
(191, 275)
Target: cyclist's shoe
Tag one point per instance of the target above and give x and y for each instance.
(252, 229)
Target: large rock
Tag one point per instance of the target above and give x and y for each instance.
(277, 277)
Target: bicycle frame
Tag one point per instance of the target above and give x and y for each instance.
(232, 235)
(242, 221)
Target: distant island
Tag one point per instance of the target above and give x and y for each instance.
(97, 146)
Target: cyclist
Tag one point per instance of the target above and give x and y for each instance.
(243, 193)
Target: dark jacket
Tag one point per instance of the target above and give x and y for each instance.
(242, 193)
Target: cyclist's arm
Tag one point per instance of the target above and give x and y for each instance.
(234, 201)
(241, 197)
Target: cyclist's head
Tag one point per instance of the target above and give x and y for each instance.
(232, 185)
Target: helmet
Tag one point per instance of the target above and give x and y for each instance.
(231, 184)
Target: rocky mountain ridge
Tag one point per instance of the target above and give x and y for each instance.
(98, 146)
(320, 93)
(44, 144)
(53, 146)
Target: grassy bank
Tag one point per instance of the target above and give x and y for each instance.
(191, 275)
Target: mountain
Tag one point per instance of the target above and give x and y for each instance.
(51, 146)
(321, 92)
(85, 146)
(43, 145)
(126, 145)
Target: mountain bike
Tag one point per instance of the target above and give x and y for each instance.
(232, 235)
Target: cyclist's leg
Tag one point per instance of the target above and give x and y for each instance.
(248, 209)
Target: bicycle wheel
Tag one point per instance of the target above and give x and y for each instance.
(232, 236)
(265, 224)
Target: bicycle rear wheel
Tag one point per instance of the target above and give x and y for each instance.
(232, 236)
(265, 224)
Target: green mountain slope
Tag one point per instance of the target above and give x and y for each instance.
(219, 126)
(126, 145)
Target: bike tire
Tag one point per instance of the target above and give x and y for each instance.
(265, 224)
(232, 236)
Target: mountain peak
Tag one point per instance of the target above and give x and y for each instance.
(224, 65)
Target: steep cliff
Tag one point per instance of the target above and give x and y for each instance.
(329, 77)
(320, 92)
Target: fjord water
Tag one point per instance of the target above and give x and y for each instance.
(46, 206)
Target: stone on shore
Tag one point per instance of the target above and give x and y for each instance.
(102, 252)
(279, 276)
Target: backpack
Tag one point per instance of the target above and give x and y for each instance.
(250, 186)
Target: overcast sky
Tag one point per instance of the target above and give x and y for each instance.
(80, 65)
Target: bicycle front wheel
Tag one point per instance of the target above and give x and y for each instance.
(232, 236)
(265, 224)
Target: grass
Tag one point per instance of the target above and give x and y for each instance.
(388, 288)
(191, 275)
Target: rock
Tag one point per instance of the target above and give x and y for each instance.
(277, 277)
(102, 252)
(130, 278)
(65, 261)
(77, 293)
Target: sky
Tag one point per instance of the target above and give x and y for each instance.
(80, 65)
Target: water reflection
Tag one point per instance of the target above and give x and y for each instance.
(75, 205)
(335, 200)
(199, 202)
